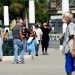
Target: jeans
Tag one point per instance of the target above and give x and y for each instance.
(31, 48)
(23, 49)
(17, 44)
(1, 52)
(37, 46)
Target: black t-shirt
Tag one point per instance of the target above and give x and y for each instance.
(45, 35)
(25, 31)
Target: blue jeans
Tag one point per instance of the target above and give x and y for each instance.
(37, 46)
(17, 44)
(23, 49)
(31, 48)
(1, 52)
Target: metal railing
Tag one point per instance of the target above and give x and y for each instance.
(71, 4)
(8, 47)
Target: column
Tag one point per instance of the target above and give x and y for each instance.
(31, 12)
(6, 14)
(65, 8)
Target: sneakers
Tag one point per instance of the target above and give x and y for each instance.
(0, 59)
(44, 53)
(21, 61)
(16, 62)
(36, 54)
(33, 57)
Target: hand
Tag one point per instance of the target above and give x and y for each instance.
(21, 42)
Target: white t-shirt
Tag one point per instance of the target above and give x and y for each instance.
(64, 27)
(38, 33)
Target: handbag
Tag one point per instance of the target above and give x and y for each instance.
(61, 40)
(72, 51)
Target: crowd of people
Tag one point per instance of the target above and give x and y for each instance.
(26, 39)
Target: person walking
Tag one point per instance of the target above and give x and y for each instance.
(69, 44)
(45, 38)
(25, 35)
(1, 43)
(38, 37)
(17, 41)
(31, 42)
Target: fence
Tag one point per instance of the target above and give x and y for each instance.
(8, 47)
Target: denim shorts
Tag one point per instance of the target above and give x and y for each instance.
(70, 63)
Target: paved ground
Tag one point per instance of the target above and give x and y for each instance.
(54, 43)
(52, 64)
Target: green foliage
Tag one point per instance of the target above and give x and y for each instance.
(42, 11)
(16, 9)
(1, 1)
(20, 7)
(1, 10)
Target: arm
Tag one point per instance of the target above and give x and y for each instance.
(20, 32)
(72, 33)
(21, 36)
(2, 34)
(74, 42)
(41, 34)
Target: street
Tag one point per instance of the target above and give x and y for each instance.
(51, 64)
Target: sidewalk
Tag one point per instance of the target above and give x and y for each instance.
(51, 64)
(11, 58)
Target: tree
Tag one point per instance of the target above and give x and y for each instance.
(1, 11)
(42, 11)
(16, 10)
(18, 7)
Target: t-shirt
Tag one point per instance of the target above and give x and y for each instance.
(45, 35)
(64, 27)
(16, 32)
(38, 33)
(70, 30)
(25, 31)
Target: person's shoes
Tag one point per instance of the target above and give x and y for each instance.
(69, 73)
(36, 54)
(46, 53)
(0, 59)
(21, 62)
(43, 53)
(15, 62)
(32, 57)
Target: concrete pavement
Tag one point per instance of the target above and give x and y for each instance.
(52, 64)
